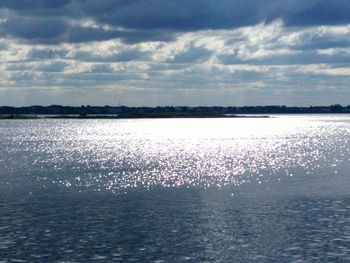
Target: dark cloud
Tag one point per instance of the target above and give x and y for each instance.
(84, 34)
(36, 29)
(302, 58)
(102, 68)
(54, 30)
(3, 46)
(193, 54)
(54, 67)
(46, 21)
(321, 12)
(323, 43)
(180, 15)
(33, 4)
(43, 54)
(25, 66)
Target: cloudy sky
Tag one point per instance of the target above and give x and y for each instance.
(174, 52)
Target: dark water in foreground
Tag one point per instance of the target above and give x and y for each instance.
(252, 190)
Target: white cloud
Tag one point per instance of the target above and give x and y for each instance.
(262, 58)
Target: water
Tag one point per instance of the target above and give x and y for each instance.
(176, 190)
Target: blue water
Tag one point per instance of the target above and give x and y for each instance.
(176, 190)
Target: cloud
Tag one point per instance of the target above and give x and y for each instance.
(192, 54)
(175, 52)
(321, 12)
(45, 53)
(53, 21)
(25, 5)
(35, 29)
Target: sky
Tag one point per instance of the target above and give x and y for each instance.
(174, 52)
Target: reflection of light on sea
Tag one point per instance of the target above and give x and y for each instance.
(116, 155)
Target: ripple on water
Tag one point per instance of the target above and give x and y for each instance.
(117, 155)
(69, 171)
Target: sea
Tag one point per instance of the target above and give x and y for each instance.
(176, 190)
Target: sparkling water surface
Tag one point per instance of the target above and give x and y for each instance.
(176, 190)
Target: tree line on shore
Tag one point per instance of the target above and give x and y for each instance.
(120, 110)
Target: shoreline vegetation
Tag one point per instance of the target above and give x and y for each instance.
(130, 116)
(124, 112)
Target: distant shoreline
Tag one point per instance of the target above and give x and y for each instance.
(124, 112)
(129, 116)
(145, 116)
(173, 110)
